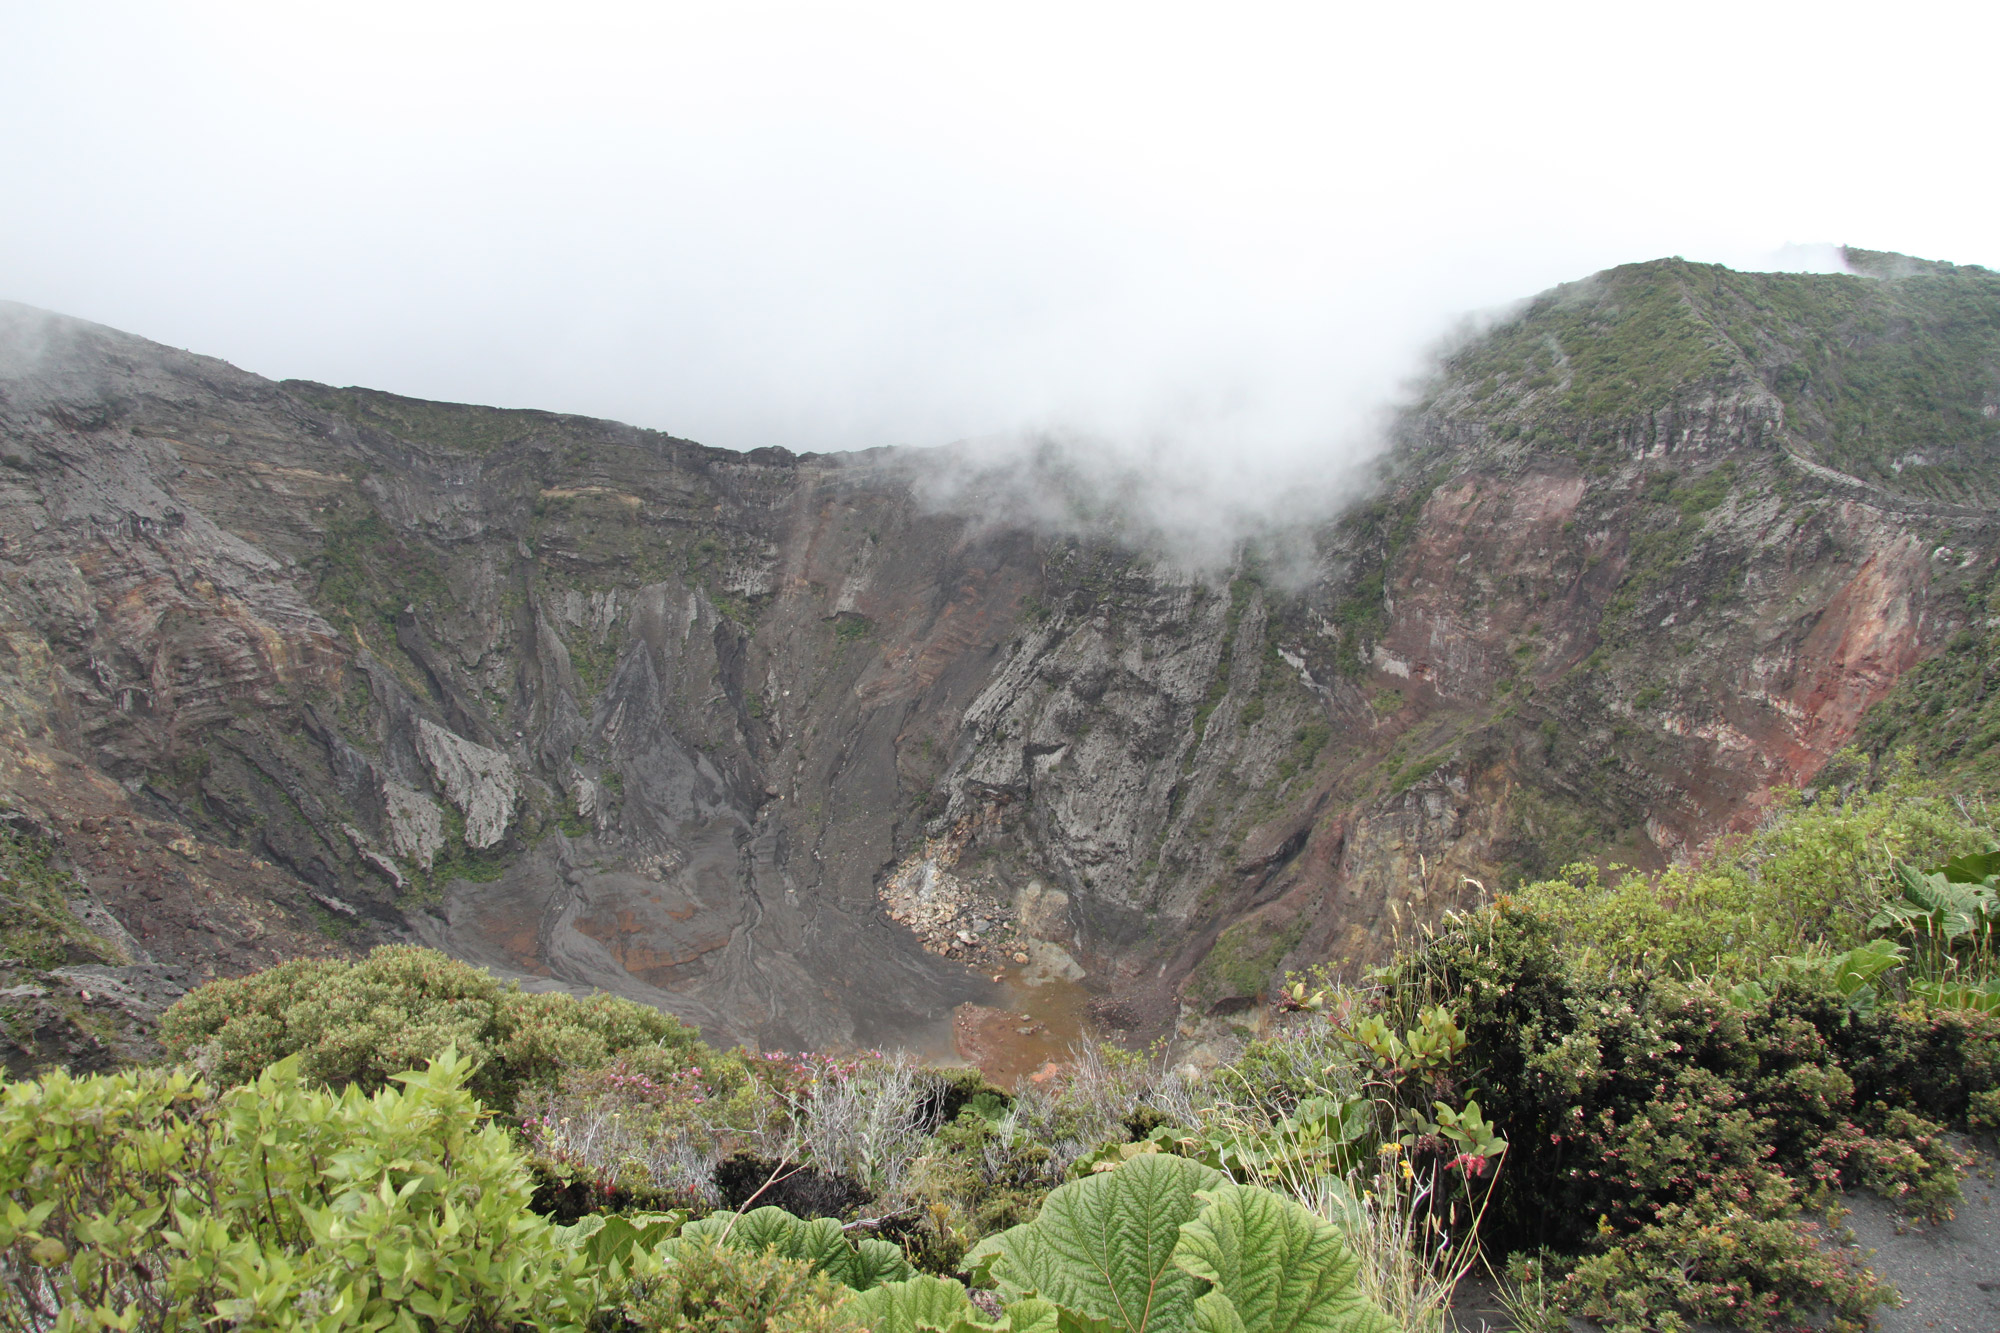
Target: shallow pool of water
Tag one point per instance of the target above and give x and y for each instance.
(1018, 1031)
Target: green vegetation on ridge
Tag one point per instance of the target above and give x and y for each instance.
(1893, 376)
(461, 426)
(37, 928)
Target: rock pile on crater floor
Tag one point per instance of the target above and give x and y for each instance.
(951, 916)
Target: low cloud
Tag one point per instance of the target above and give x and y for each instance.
(1163, 277)
(1177, 496)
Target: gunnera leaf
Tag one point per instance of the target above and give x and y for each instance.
(1280, 1268)
(872, 1263)
(1975, 868)
(1214, 1314)
(917, 1303)
(1102, 1247)
(818, 1242)
(1032, 1315)
(1069, 1321)
(606, 1239)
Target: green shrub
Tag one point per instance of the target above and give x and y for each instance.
(1287, 1064)
(1816, 878)
(134, 1201)
(1910, 1163)
(1657, 1125)
(978, 1175)
(1720, 1265)
(1931, 1061)
(362, 1022)
(88, 1169)
(707, 1287)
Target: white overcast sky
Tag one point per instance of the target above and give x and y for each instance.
(1230, 227)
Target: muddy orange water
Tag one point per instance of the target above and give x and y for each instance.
(1026, 1028)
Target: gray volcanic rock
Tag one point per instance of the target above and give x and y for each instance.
(479, 781)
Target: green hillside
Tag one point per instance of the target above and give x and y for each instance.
(1891, 373)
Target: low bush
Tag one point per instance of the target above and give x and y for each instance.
(1721, 1265)
(1815, 878)
(1289, 1063)
(989, 1168)
(818, 1135)
(138, 1202)
(866, 1123)
(1673, 1139)
(359, 1023)
(716, 1288)
(613, 1137)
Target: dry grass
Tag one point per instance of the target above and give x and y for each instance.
(866, 1125)
(625, 1140)
(1414, 1243)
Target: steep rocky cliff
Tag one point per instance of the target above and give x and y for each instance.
(774, 742)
